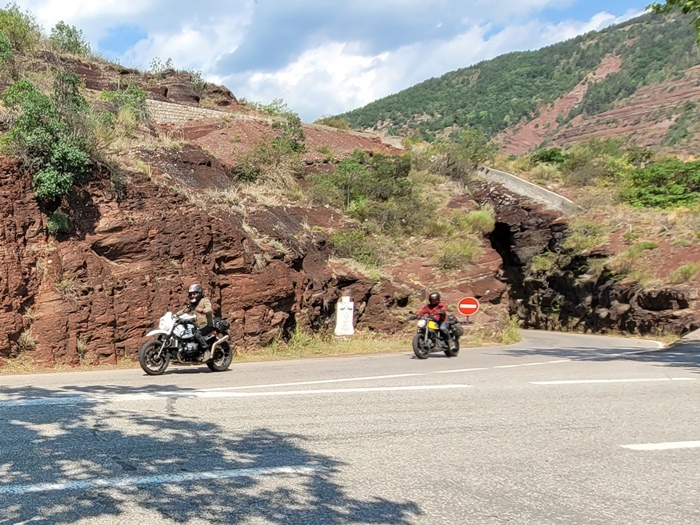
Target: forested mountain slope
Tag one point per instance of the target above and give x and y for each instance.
(637, 80)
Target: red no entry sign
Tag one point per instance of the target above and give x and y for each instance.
(468, 306)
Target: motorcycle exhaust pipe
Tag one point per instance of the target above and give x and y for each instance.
(217, 343)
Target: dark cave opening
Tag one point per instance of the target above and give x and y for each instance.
(511, 273)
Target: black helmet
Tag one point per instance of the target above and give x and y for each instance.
(434, 298)
(195, 293)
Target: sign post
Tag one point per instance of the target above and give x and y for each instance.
(344, 317)
(468, 306)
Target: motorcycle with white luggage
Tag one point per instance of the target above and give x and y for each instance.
(175, 343)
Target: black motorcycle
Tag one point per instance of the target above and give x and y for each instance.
(175, 342)
(429, 338)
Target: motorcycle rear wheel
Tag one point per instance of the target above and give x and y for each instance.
(222, 358)
(149, 360)
(419, 348)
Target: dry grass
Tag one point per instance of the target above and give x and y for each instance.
(305, 346)
(22, 364)
(300, 346)
(373, 274)
(228, 200)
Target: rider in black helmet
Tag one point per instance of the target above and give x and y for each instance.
(201, 307)
(438, 311)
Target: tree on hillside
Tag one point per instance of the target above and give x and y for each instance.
(686, 7)
(66, 38)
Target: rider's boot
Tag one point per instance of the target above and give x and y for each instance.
(447, 337)
(450, 343)
(206, 356)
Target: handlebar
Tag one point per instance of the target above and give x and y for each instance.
(427, 316)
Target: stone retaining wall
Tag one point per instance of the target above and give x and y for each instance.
(530, 190)
(169, 113)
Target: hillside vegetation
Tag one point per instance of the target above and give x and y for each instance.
(497, 94)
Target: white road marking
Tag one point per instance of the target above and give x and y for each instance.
(335, 391)
(319, 382)
(534, 364)
(664, 446)
(592, 381)
(120, 398)
(460, 370)
(155, 480)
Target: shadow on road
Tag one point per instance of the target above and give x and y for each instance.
(681, 354)
(75, 439)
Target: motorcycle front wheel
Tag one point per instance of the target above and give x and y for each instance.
(221, 360)
(419, 347)
(149, 360)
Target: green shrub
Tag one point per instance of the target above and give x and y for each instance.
(270, 163)
(666, 184)
(377, 178)
(334, 122)
(510, 332)
(458, 157)
(327, 152)
(49, 183)
(548, 156)
(48, 134)
(598, 162)
(20, 28)
(544, 262)
(456, 254)
(58, 223)
(685, 273)
(583, 235)
(436, 228)
(546, 172)
(35, 124)
(636, 250)
(131, 99)
(291, 139)
(7, 57)
(198, 82)
(481, 221)
(66, 38)
(402, 214)
(359, 245)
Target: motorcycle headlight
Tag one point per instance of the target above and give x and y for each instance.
(421, 323)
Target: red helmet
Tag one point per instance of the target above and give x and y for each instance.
(434, 298)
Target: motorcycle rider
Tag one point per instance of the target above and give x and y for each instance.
(201, 307)
(438, 311)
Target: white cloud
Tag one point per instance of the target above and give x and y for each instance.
(335, 78)
(320, 56)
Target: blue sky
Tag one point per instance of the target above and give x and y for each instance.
(323, 57)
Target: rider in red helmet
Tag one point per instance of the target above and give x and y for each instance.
(438, 311)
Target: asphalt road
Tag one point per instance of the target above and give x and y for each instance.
(558, 429)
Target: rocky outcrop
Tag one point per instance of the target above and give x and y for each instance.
(570, 295)
(91, 295)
